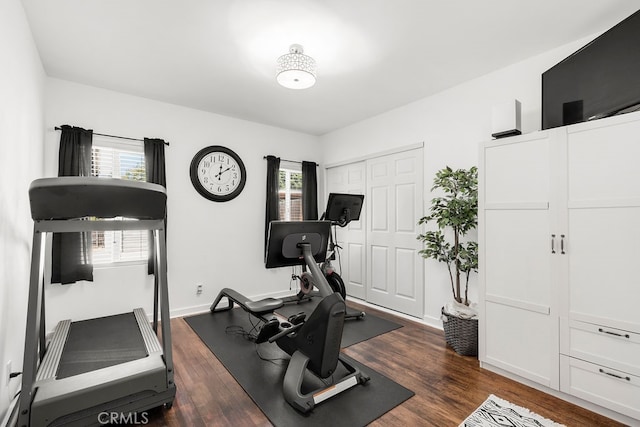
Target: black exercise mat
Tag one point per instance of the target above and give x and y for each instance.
(262, 379)
(355, 330)
(99, 343)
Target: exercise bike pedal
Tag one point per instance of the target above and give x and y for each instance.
(294, 319)
(269, 329)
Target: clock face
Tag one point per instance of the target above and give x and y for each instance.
(218, 173)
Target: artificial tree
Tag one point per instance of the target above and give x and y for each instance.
(455, 212)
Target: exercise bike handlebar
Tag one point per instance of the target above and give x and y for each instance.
(285, 331)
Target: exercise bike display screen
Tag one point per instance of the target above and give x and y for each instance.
(344, 207)
(284, 238)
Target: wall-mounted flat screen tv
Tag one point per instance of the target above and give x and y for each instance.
(599, 80)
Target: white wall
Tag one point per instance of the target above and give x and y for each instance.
(219, 244)
(21, 133)
(215, 244)
(451, 124)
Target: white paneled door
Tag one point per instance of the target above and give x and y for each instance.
(394, 189)
(351, 263)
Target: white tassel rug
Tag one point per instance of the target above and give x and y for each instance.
(496, 412)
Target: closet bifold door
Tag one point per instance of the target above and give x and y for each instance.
(351, 265)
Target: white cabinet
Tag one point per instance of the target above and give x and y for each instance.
(519, 323)
(559, 230)
(600, 316)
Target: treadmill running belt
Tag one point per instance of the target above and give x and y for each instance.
(98, 343)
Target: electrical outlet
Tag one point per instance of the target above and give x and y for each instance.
(7, 374)
(199, 290)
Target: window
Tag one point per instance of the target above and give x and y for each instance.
(124, 161)
(290, 194)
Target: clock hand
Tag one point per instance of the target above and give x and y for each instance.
(221, 172)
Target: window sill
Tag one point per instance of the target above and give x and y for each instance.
(119, 264)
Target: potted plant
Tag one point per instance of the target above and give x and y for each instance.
(455, 213)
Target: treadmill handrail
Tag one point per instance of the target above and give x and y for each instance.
(70, 226)
(72, 197)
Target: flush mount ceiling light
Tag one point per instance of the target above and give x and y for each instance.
(295, 69)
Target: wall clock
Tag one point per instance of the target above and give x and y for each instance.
(217, 173)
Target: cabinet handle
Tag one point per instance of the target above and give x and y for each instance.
(562, 244)
(604, 331)
(553, 241)
(611, 374)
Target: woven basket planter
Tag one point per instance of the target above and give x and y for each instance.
(461, 334)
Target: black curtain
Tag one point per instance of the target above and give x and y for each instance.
(71, 252)
(272, 212)
(154, 164)
(309, 191)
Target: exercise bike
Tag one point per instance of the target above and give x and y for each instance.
(341, 210)
(314, 342)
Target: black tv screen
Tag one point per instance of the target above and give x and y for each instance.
(599, 80)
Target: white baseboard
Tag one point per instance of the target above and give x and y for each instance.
(190, 311)
(426, 320)
(203, 308)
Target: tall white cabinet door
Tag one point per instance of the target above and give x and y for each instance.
(395, 274)
(350, 179)
(604, 223)
(518, 322)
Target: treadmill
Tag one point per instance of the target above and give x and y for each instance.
(92, 369)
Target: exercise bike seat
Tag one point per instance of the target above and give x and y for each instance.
(266, 305)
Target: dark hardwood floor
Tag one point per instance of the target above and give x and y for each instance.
(447, 386)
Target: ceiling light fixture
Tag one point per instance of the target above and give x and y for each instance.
(296, 70)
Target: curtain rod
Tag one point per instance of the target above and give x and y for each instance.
(115, 136)
(291, 161)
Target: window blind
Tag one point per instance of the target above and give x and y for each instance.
(123, 160)
(290, 194)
